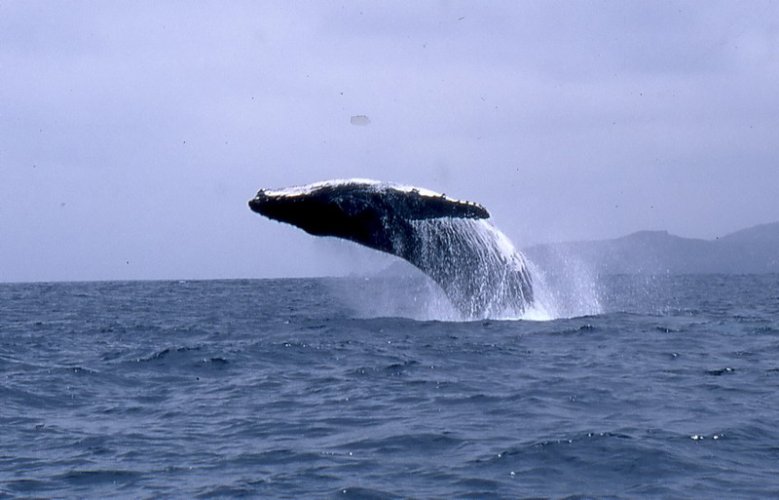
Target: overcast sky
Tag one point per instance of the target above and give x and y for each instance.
(132, 134)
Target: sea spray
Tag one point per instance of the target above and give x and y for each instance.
(483, 273)
(506, 285)
(570, 288)
(399, 291)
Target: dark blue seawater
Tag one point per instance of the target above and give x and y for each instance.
(284, 388)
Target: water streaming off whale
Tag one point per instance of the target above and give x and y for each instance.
(477, 265)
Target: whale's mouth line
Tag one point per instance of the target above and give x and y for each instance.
(450, 240)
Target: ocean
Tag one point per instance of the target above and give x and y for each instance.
(653, 386)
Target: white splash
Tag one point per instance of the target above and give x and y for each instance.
(571, 289)
(500, 283)
(487, 284)
(477, 266)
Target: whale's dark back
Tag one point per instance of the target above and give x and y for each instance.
(449, 240)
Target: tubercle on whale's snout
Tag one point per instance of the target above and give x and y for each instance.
(255, 204)
(259, 201)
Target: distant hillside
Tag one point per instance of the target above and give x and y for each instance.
(752, 250)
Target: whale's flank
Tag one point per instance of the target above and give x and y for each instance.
(450, 240)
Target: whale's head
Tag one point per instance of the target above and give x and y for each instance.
(358, 210)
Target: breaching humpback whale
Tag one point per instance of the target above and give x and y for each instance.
(449, 240)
